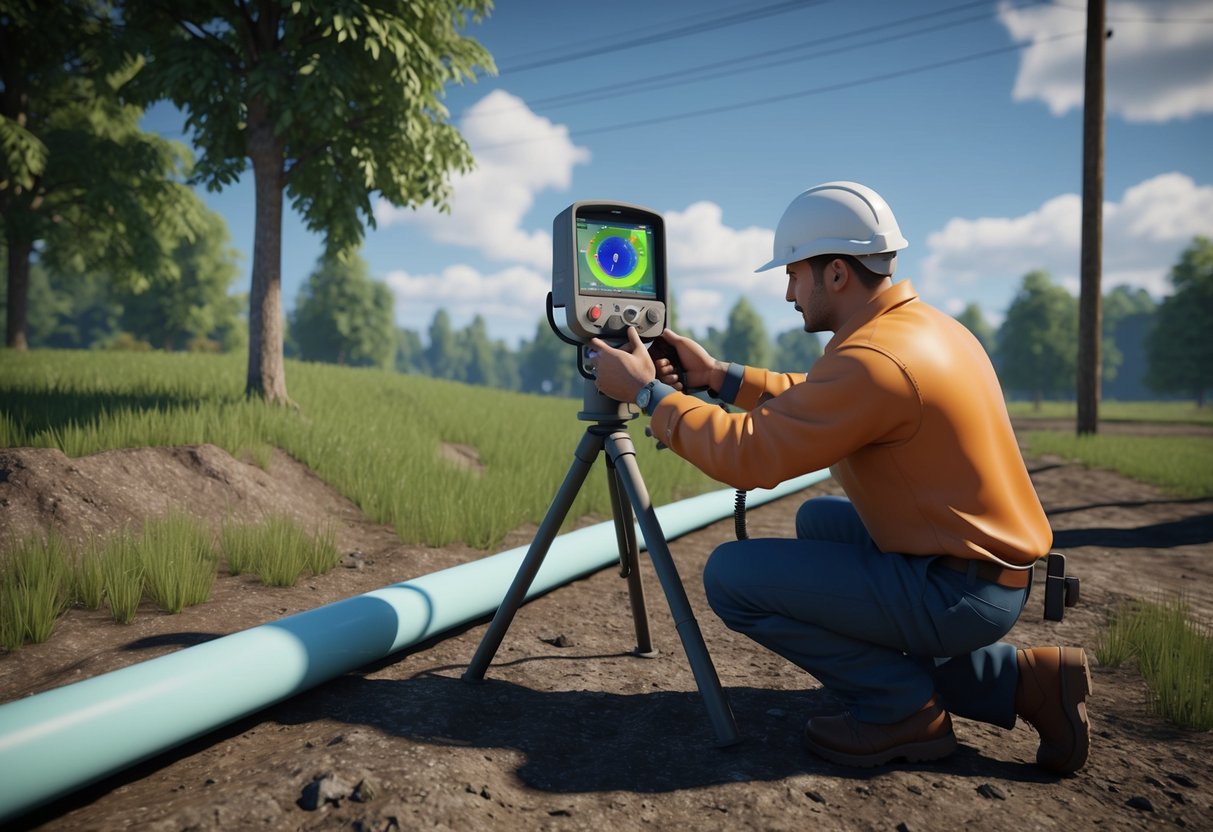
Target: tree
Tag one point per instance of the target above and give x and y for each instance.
(69, 312)
(745, 339)
(328, 102)
(1127, 317)
(795, 351)
(410, 354)
(509, 368)
(1038, 342)
(443, 356)
(671, 312)
(547, 365)
(976, 323)
(1180, 347)
(78, 179)
(713, 342)
(342, 316)
(479, 353)
(196, 307)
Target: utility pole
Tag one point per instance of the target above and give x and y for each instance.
(1092, 221)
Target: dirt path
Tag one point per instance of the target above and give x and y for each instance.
(571, 732)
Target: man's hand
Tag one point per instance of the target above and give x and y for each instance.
(702, 370)
(622, 372)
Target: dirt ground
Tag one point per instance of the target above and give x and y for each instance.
(570, 731)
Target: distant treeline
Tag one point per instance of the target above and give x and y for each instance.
(1149, 349)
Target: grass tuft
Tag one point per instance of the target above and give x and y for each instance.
(35, 589)
(1174, 653)
(123, 570)
(278, 550)
(88, 577)
(178, 560)
(239, 544)
(322, 554)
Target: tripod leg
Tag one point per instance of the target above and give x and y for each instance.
(587, 451)
(629, 562)
(621, 450)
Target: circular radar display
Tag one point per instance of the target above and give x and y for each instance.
(617, 257)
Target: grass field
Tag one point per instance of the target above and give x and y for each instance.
(1182, 465)
(1185, 412)
(373, 435)
(376, 437)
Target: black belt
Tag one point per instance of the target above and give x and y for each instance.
(1010, 578)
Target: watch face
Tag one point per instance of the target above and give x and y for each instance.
(642, 398)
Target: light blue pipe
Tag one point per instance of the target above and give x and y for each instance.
(61, 740)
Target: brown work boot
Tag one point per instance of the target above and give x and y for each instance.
(1050, 695)
(843, 739)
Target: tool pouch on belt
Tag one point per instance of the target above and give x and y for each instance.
(1060, 591)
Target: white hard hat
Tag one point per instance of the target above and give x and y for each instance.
(838, 218)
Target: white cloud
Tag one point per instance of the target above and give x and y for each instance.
(1155, 71)
(1143, 235)
(518, 154)
(718, 262)
(512, 300)
(698, 309)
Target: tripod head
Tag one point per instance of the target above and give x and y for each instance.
(597, 407)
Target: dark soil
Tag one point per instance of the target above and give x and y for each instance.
(570, 731)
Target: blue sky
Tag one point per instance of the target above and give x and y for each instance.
(966, 117)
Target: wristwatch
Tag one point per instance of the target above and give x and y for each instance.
(645, 395)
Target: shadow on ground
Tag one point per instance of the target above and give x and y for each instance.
(1191, 531)
(590, 741)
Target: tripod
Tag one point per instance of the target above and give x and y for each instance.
(609, 433)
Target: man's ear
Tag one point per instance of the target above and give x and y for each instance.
(839, 272)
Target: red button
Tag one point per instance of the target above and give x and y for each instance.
(595, 313)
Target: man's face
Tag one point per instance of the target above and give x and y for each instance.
(807, 291)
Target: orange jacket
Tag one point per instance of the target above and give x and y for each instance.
(905, 409)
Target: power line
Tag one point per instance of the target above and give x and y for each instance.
(717, 69)
(570, 47)
(725, 21)
(774, 99)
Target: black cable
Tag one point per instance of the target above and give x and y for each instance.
(774, 99)
(697, 73)
(739, 515)
(732, 19)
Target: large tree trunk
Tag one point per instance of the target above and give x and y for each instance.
(266, 374)
(18, 293)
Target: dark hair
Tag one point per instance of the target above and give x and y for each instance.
(867, 277)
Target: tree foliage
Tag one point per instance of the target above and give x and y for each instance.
(547, 365)
(1127, 316)
(976, 323)
(331, 103)
(342, 316)
(76, 311)
(1180, 347)
(196, 308)
(1038, 342)
(79, 181)
(443, 356)
(410, 352)
(745, 340)
(89, 308)
(795, 351)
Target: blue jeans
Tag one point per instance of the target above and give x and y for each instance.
(882, 631)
